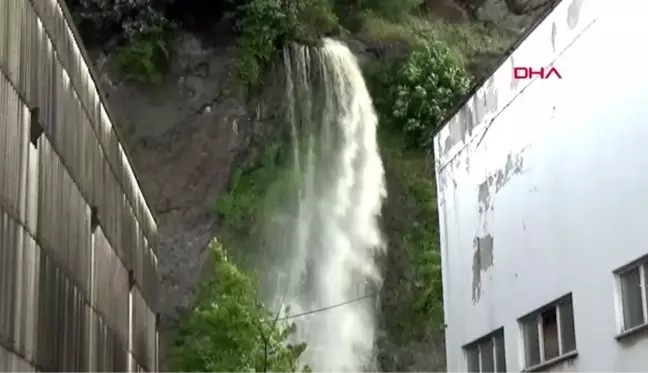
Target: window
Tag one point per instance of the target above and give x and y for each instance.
(487, 353)
(634, 294)
(549, 332)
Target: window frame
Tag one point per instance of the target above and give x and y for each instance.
(535, 318)
(479, 343)
(642, 265)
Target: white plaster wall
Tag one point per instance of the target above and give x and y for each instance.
(576, 208)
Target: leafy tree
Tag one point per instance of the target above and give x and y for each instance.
(229, 330)
(417, 91)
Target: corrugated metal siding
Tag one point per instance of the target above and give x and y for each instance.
(10, 362)
(143, 344)
(74, 296)
(110, 286)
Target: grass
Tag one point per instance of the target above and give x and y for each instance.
(467, 40)
(145, 59)
(255, 189)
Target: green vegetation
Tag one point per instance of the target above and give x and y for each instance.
(465, 40)
(248, 187)
(229, 330)
(411, 224)
(139, 32)
(414, 93)
(145, 59)
(268, 24)
(255, 188)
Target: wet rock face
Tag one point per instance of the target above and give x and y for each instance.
(184, 138)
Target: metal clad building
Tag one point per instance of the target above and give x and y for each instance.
(78, 274)
(542, 189)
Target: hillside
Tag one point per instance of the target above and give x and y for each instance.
(198, 111)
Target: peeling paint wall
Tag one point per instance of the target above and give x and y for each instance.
(542, 186)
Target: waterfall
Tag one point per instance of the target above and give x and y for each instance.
(331, 238)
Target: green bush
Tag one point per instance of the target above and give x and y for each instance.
(267, 25)
(145, 59)
(415, 93)
(229, 329)
(248, 186)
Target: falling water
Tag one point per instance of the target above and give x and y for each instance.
(332, 237)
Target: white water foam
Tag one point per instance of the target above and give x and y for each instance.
(333, 233)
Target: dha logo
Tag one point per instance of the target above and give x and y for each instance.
(530, 73)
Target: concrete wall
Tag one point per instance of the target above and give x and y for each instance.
(78, 271)
(543, 188)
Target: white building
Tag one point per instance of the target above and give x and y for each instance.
(543, 202)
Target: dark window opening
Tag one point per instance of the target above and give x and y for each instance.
(632, 298)
(549, 333)
(487, 354)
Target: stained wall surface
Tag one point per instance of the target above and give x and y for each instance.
(78, 277)
(542, 187)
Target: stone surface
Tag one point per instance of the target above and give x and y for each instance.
(183, 137)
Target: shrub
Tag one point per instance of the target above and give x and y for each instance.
(415, 93)
(145, 58)
(248, 186)
(265, 27)
(229, 330)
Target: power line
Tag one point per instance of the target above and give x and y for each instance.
(318, 310)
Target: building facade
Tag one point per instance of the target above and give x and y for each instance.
(78, 273)
(542, 186)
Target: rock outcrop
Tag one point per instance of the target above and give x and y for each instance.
(184, 138)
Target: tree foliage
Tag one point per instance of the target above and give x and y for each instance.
(249, 186)
(266, 25)
(145, 58)
(230, 330)
(417, 92)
